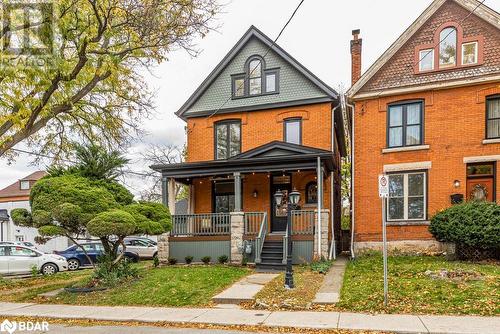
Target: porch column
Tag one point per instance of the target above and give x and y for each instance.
(237, 230)
(164, 191)
(237, 192)
(321, 243)
(171, 195)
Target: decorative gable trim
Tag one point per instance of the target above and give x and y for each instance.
(484, 12)
(253, 32)
(276, 148)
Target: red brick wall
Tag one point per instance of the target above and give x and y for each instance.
(454, 129)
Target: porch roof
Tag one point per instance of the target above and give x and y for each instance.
(274, 156)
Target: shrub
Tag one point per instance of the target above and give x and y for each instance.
(172, 260)
(206, 259)
(188, 259)
(109, 275)
(222, 259)
(244, 261)
(475, 224)
(321, 266)
(156, 262)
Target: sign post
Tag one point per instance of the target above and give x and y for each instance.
(383, 192)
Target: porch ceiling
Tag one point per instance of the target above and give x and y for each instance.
(275, 156)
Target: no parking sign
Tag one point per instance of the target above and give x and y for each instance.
(383, 185)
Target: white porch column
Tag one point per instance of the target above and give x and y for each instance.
(171, 195)
(237, 192)
(321, 244)
(237, 230)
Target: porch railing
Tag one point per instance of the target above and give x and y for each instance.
(261, 238)
(201, 224)
(253, 220)
(303, 222)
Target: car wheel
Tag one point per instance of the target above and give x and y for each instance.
(73, 264)
(49, 269)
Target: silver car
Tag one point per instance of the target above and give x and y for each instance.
(142, 247)
(16, 259)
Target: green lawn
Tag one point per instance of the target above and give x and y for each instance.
(166, 286)
(411, 290)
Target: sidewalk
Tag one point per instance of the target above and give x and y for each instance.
(322, 320)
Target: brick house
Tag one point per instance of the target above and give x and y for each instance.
(259, 123)
(427, 113)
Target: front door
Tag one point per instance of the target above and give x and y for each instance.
(282, 182)
(481, 181)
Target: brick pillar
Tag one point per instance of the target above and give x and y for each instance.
(356, 44)
(237, 230)
(163, 247)
(325, 219)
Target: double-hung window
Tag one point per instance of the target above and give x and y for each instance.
(293, 131)
(405, 124)
(407, 196)
(493, 117)
(227, 139)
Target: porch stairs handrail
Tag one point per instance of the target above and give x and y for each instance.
(261, 238)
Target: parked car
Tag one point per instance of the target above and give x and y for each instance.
(142, 246)
(76, 257)
(20, 243)
(17, 259)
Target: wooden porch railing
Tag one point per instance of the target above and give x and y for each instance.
(201, 224)
(252, 222)
(303, 222)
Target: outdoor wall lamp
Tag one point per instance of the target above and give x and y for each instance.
(255, 193)
(456, 183)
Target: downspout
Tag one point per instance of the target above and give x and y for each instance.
(333, 245)
(319, 176)
(352, 177)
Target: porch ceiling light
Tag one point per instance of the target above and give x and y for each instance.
(294, 197)
(278, 197)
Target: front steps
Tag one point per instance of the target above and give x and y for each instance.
(271, 256)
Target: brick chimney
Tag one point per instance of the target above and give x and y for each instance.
(355, 56)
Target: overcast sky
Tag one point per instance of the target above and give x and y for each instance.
(318, 37)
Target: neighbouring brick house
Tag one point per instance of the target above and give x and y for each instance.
(427, 113)
(258, 124)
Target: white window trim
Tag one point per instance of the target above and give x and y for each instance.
(420, 58)
(408, 166)
(405, 198)
(24, 182)
(476, 55)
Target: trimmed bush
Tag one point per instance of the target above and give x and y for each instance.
(206, 259)
(222, 259)
(188, 259)
(172, 260)
(474, 224)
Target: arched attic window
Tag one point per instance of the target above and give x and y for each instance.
(256, 80)
(448, 47)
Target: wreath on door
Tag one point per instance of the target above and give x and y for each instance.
(479, 193)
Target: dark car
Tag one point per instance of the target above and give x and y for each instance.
(76, 257)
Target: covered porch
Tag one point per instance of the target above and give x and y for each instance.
(231, 208)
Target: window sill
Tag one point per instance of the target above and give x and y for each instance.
(409, 223)
(406, 148)
(491, 141)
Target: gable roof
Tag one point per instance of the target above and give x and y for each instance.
(14, 190)
(278, 148)
(481, 10)
(253, 32)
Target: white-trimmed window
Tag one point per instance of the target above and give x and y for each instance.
(469, 53)
(407, 196)
(448, 47)
(24, 185)
(426, 60)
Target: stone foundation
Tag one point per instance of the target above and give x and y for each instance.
(325, 221)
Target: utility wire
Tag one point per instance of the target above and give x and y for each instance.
(247, 76)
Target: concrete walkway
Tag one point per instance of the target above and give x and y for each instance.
(244, 290)
(329, 293)
(322, 320)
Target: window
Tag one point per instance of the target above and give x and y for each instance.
(224, 197)
(311, 193)
(426, 60)
(19, 238)
(293, 131)
(21, 251)
(448, 47)
(405, 124)
(469, 53)
(24, 185)
(227, 139)
(493, 117)
(407, 196)
(256, 80)
(3, 251)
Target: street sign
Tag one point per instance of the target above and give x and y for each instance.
(383, 185)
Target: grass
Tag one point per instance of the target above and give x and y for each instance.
(166, 286)
(274, 296)
(411, 290)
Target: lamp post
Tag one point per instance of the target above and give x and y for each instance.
(293, 200)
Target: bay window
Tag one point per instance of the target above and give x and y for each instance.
(407, 196)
